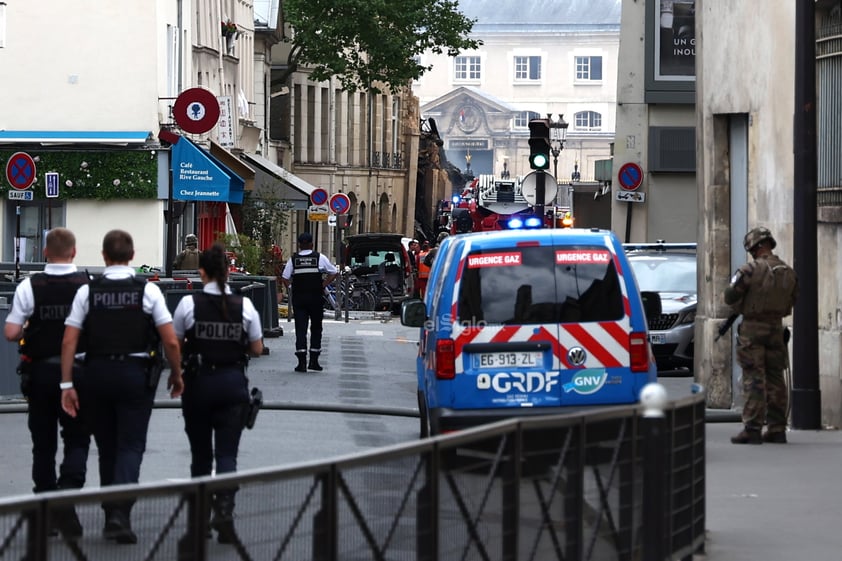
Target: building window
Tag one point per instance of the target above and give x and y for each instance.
(396, 123)
(588, 121)
(527, 68)
(466, 68)
(522, 119)
(588, 68)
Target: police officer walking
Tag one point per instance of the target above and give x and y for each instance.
(303, 272)
(764, 291)
(41, 304)
(218, 331)
(122, 321)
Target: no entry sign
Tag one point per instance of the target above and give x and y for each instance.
(20, 171)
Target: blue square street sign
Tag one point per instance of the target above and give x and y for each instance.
(52, 184)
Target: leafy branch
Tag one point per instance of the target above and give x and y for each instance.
(372, 44)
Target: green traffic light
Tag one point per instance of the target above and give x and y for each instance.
(540, 161)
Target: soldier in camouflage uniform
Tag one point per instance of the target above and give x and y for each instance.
(189, 258)
(764, 291)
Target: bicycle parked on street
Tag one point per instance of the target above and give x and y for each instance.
(352, 296)
(383, 297)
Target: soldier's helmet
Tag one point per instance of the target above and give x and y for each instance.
(757, 235)
(191, 239)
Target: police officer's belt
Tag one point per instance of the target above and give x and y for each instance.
(122, 358)
(219, 366)
(48, 360)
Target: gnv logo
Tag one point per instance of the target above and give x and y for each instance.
(586, 382)
(521, 382)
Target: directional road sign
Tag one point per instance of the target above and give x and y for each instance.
(20, 170)
(317, 213)
(51, 182)
(629, 197)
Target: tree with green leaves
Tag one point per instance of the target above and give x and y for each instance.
(368, 44)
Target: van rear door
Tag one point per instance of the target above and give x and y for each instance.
(540, 323)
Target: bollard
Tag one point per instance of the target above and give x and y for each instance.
(653, 397)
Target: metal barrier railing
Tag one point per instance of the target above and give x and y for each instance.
(566, 487)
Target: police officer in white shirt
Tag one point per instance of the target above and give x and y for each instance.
(123, 321)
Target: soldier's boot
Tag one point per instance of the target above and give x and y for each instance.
(302, 361)
(314, 361)
(747, 436)
(775, 437)
(223, 517)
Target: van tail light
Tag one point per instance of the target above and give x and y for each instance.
(445, 359)
(639, 352)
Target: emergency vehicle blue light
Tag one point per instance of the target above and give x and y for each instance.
(456, 199)
(532, 222)
(515, 224)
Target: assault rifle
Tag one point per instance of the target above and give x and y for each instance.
(726, 325)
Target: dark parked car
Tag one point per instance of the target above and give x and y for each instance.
(381, 259)
(670, 270)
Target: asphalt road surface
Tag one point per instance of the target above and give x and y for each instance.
(364, 399)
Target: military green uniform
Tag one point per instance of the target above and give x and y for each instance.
(189, 258)
(764, 291)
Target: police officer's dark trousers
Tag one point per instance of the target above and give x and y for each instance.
(308, 310)
(121, 404)
(214, 405)
(45, 415)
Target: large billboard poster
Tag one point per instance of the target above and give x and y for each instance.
(675, 40)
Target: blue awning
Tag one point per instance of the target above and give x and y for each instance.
(74, 137)
(197, 175)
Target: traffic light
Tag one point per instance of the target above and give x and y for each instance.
(539, 143)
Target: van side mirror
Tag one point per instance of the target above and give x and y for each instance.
(413, 313)
(651, 303)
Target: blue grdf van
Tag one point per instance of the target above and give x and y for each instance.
(520, 322)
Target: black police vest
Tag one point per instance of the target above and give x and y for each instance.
(116, 323)
(216, 339)
(306, 277)
(53, 296)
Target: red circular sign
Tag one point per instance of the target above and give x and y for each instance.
(196, 110)
(630, 176)
(20, 171)
(340, 203)
(318, 196)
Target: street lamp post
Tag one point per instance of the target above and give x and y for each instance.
(558, 133)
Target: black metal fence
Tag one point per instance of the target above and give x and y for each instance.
(607, 485)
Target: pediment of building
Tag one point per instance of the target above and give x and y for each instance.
(468, 111)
